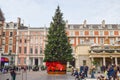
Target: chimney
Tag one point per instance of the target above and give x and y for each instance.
(19, 22)
(84, 23)
(103, 23)
(66, 23)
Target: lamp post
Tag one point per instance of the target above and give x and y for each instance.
(0, 57)
(11, 58)
(111, 60)
(0, 60)
(90, 60)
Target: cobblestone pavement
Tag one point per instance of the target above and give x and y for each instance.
(40, 75)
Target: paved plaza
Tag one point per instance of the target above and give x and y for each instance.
(40, 75)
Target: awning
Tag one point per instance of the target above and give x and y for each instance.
(4, 59)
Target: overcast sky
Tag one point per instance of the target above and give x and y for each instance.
(38, 13)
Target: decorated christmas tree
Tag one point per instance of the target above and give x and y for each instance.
(57, 50)
(57, 47)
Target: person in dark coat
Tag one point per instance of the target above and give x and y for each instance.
(81, 69)
(86, 71)
(13, 74)
(76, 74)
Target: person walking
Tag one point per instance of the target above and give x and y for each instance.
(13, 74)
(93, 72)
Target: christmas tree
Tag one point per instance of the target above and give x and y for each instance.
(57, 47)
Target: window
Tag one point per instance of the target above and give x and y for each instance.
(72, 33)
(31, 50)
(91, 33)
(10, 49)
(15, 25)
(81, 40)
(81, 33)
(7, 25)
(18, 60)
(25, 49)
(84, 62)
(20, 40)
(19, 49)
(40, 50)
(71, 41)
(3, 42)
(92, 41)
(3, 34)
(36, 50)
(24, 60)
(10, 41)
(11, 34)
(71, 27)
(25, 40)
(111, 40)
(101, 40)
(111, 33)
(101, 33)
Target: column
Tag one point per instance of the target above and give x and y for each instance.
(28, 61)
(104, 63)
(116, 38)
(116, 61)
(39, 61)
(33, 61)
(68, 64)
(96, 40)
(92, 60)
(17, 50)
(76, 40)
(77, 62)
(16, 60)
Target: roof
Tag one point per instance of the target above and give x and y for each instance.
(94, 26)
(1, 16)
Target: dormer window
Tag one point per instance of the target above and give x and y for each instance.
(11, 34)
(15, 25)
(7, 25)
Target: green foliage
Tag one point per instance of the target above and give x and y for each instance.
(57, 47)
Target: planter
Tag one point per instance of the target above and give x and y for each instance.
(98, 51)
(109, 51)
(118, 51)
(56, 68)
(56, 72)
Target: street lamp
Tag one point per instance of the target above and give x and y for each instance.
(90, 59)
(111, 60)
(11, 58)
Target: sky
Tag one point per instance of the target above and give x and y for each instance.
(39, 13)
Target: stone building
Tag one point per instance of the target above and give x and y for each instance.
(30, 46)
(9, 42)
(82, 36)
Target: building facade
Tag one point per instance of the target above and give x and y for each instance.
(9, 42)
(30, 46)
(82, 36)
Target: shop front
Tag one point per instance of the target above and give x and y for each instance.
(4, 61)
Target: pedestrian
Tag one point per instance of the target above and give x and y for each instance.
(93, 72)
(76, 74)
(72, 72)
(86, 71)
(13, 74)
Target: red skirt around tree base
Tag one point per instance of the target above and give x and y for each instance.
(56, 67)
